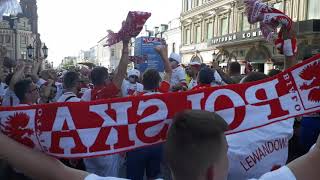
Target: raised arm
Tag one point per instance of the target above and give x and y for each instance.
(36, 165)
(225, 78)
(122, 68)
(307, 166)
(18, 75)
(36, 68)
(163, 52)
(290, 57)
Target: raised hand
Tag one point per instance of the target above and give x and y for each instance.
(162, 50)
(21, 65)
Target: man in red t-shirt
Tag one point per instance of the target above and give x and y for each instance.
(104, 89)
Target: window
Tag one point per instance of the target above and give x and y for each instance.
(198, 34)
(23, 40)
(1, 38)
(279, 6)
(187, 36)
(23, 55)
(313, 9)
(244, 23)
(174, 47)
(8, 39)
(224, 26)
(198, 2)
(210, 30)
(188, 5)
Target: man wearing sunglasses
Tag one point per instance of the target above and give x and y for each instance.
(27, 92)
(131, 86)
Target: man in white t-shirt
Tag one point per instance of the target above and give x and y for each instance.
(45, 75)
(195, 68)
(71, 82)
(256, 152)
(131, 86)
(178, 78)
(10, 99)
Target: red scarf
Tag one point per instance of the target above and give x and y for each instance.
(117, 125)
(130, 28)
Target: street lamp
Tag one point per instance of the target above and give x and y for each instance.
(30, 51)
(45, 51)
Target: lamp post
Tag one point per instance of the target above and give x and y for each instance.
(45, 51)
(30, 51)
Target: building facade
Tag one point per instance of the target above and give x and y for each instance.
(173, 36)
(68, 62)
(115, 55)
(15, 36)
(16, 33)
(103, 53)
(108, 56)
(219, 30)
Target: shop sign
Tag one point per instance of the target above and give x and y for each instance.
(235, 37)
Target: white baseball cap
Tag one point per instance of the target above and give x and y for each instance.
(133, 72)
(192, 63)
(175, 57)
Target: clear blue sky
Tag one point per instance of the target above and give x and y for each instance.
(67, 26)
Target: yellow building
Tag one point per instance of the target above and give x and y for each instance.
(220, 27)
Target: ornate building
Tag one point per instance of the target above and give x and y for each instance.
(30, 11)
(219, 30)
(16, 33)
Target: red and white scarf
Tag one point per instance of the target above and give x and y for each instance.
(130, 28)
(104, 127)
(270, 19)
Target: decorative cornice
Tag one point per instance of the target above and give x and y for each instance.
(207, 6)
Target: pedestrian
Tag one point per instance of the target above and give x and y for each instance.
(195, 67)
(105, 88)
(243, 145)
(234, 72)
(148, 160)
(205, 78)
(132, 85)
(71, 83)
(178, 79)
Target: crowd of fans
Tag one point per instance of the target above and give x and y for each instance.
(196, 148)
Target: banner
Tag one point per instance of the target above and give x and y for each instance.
(144, 46)
(87, 129)
(138, 59)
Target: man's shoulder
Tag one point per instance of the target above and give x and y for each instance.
(282, 173)
(180, 69)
